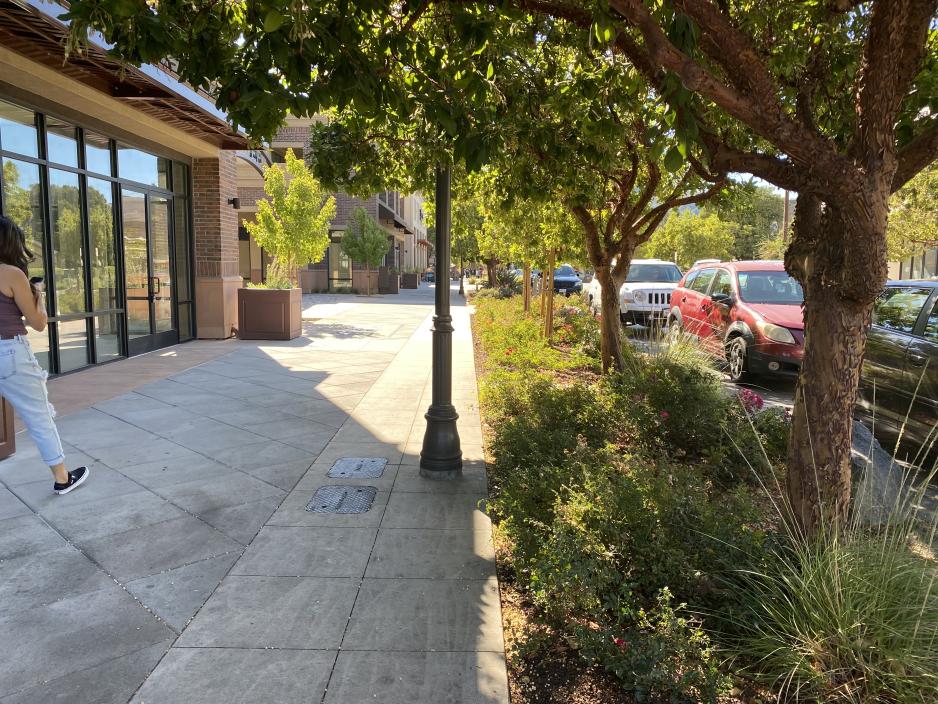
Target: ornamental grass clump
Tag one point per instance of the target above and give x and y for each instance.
(848, 616)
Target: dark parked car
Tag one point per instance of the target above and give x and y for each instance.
(566, 280)
(429, 277)
(746, 313)
(899, 377)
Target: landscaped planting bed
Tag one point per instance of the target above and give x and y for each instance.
(642, 553)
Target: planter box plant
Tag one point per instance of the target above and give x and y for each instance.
(292, 226)
(410, 280)
(270, 313)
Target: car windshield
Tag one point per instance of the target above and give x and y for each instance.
(769, 287)
(657, 273)
(564, 271)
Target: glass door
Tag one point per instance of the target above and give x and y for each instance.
(340, 268)
(148, 271)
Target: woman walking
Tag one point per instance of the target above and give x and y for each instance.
(22, 380)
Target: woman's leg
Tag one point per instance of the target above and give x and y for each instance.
(26, 391)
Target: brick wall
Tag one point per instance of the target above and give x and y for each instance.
(250, 195)
(292, 136)
(214, 182)
(345, 204)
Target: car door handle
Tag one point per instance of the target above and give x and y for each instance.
(916, 359)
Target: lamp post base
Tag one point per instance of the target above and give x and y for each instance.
(441, 456)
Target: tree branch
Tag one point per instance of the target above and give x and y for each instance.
(895, 46)
(648, 192)
(916, 155)
(779, 172)
(593, 245)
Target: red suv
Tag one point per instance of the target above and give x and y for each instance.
(746, 313)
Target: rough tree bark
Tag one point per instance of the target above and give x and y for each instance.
(526, 287)
(838, 254)
(490, 264)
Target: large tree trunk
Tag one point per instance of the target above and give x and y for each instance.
(610, 325)
(840, 260)
(490, 265)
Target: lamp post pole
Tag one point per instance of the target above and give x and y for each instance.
(441, 456)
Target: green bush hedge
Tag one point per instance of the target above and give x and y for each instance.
(637, 521)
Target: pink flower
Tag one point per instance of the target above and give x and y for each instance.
(665, 415)
(621, 644)
(751, 401)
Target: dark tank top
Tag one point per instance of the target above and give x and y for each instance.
(11, 318)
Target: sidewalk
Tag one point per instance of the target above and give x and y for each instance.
(189, 568)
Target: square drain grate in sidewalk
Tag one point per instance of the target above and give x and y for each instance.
(342, 499)
(358, 467)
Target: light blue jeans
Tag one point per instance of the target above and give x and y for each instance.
(23, 384)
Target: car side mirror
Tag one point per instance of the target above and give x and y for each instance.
(725, 299)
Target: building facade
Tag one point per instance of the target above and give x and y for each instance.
(122, 179)
(921, 266)
(402, 216)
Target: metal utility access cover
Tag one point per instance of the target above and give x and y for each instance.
(342, 499)
(358, 467)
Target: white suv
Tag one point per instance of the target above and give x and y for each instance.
(646, 294)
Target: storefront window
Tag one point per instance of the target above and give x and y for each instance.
(65, 199)
(72, 214)
(18, 131)
(97, 153)
(103, 254)
(22, 203)
(107, 335)
(73, 344)
(142, 167)
(61, 141)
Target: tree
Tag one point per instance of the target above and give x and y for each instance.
(691, 236)
(759, 213)
(570, 130)
(832, 99)
(913, 219)
(365, 241)
(292, 224)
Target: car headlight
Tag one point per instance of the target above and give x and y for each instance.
(776, 332)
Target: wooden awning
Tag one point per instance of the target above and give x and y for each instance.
(32, 28)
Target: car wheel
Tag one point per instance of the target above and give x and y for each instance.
(674, 331)
(737, 359)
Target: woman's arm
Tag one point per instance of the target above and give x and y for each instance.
(29, 301)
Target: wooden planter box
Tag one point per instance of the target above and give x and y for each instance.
(388, 282)
(269, 314)
(410, 280)
(7, 430)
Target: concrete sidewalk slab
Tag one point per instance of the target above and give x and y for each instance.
(227, 588)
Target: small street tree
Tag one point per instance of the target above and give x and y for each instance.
(689, 236)
(292, 224)
(365, 242)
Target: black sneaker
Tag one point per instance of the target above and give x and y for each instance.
(75, 477)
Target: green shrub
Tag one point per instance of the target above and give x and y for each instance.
(512, 338)
(603, 560)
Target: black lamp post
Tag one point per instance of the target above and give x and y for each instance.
(441, 456)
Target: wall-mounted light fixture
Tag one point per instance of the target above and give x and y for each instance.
(235, 203)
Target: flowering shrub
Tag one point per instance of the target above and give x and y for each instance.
(750, 400)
